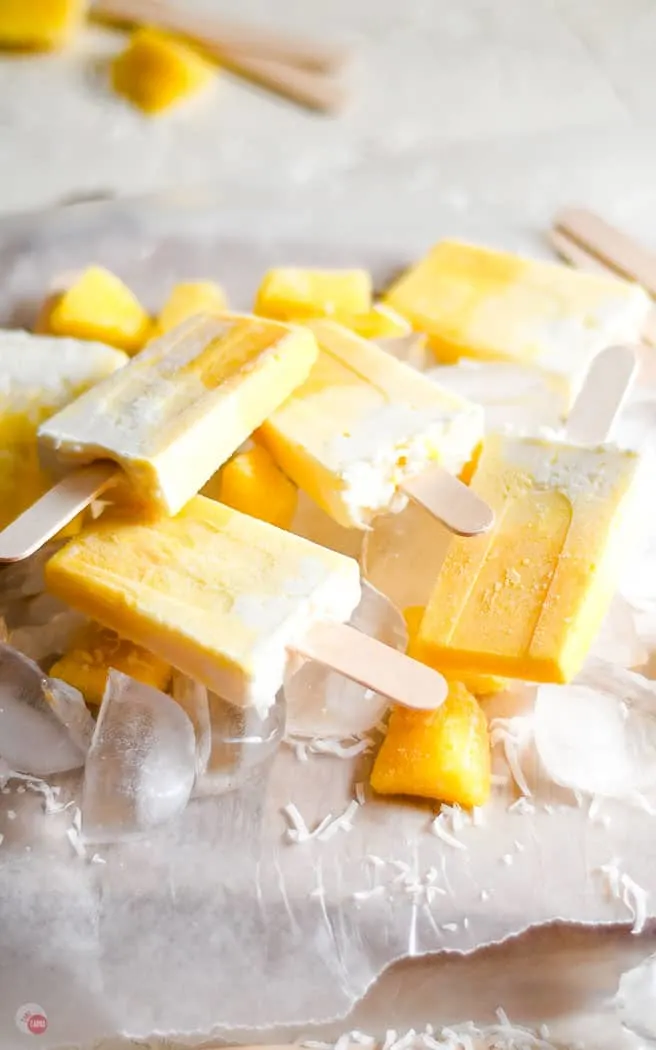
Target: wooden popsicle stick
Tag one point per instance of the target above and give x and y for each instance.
(613, 247)
(320, 93)
(602, 395)
(45, 518)
(455, 505)
(227, 35)
(582, 259)
(374, 665)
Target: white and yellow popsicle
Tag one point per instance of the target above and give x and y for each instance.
(527, 600)
(226, 598)
(364, 430)
(166, 421)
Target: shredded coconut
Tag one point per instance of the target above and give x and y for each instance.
(338, 747)
(622, 887)
(511, 734)
(522, 805)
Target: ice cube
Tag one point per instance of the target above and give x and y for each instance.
(636, 1000)
(321, 702)
(40, 641)
(193, 699)
(314, 524)
(242, 742)
(44, 725)
(599, 734)
(141, 765)
(512, 396)
(618, 641)
(403, 553)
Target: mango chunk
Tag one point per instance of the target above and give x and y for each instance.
(39, 24)
(253, 483)
(442, 754)
(158, 71)
(188, 299)
(99, 306)
(478, 684)
(95, 650)
(293, 294)
(381, 322)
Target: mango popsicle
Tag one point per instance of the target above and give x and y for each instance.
(363, 424)
(224, 597)
(175, 413)
(491, 305)
(38, 377)
(527, 600)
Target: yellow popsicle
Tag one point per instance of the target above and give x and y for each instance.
(362, 424)
(495, 306)
(527, 599)
(214, 592)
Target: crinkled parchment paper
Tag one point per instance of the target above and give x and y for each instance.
(221, 920)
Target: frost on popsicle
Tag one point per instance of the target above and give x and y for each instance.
(321, 702)
(141, 765)
(45, 727)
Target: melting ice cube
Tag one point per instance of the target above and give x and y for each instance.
(321, 702)
(45, 727)
(231, 742)
(599, 733)
(142, 762)
(403, 553)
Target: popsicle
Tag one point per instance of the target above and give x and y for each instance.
(527, 600)
(225, 597)
(360, 435)
(39, 376)
(490, 305)
(165, 422)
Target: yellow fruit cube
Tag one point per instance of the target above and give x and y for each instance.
(39, 24)
(381, 322)
(158, 71)
(188, 299)
(99, 306)
(478, 684)
(253, 483)
(292, 294)
(95, 650)
(442, 754)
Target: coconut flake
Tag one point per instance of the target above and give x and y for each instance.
(625, 889)
(512, 734)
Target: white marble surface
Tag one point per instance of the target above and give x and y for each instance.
(464, 115)
(508, 106)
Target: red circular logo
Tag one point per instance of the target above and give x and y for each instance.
(37, 1024)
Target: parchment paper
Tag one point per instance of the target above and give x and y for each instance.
(219, 920)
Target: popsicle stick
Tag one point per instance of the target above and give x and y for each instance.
(582, 259)
(312, 90)
(45, 518)
(223, 34)
(602, 395)
(455, 505)
(374, 665)
(613, 247)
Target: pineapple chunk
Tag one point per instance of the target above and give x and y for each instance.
(478, 684)
(157, 71)
(381, 322)
(442, 754)
(289, 294)
(39, 24)
(99, 306)
(253, 483)
(188, 299)
(95, 650)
